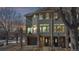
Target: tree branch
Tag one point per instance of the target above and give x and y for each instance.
(65, 18)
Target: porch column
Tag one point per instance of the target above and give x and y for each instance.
(38, 40)
(67, 39)
(43, 41)
(51, 32)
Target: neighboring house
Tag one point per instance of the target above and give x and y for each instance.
(47, 29)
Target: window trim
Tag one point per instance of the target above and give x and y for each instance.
(42, 27)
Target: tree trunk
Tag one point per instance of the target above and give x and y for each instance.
(16, 38)
(21, 37)
(74, 39)
(7, 38)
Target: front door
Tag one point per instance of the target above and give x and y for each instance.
(44, 41)
(55, 41)
(59, 42)
(62, 42)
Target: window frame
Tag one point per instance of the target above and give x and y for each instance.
(42, 27)
(61, 28)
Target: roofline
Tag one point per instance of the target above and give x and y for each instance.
(28, 14)
(38, 11)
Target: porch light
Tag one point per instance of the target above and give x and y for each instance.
(46, 40)
(34, 28)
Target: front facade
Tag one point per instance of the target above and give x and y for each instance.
(47, 29)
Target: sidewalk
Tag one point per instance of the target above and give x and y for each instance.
(10, 47)
(17, 47)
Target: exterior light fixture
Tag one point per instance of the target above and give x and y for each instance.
(34, 28)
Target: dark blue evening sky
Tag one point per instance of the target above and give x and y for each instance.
(25, 10)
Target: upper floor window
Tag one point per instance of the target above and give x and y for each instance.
(44, 27)
(47, 16)
(34, 16)
(40, 17)
(55, 15)
(59, 28)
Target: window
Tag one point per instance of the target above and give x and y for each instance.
(29, 30)
(62, 27)
(44, 27)
(34, 16)
(34, 28)
(55, 16)
(59, 28)
(47, 16)
(40, 17)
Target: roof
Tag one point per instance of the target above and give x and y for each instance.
(42, 9)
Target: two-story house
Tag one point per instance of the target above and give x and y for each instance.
(47, 29)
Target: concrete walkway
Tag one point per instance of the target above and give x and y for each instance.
(17, 47)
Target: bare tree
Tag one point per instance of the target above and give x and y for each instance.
(7, 16)
(69, 17)
(18, 22)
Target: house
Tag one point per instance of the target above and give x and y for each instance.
(47, 29)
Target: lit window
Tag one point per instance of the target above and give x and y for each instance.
(62, 27)
(34, 16)
(34, 28)
(59, 28)
(44, 27)
(29, 30)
